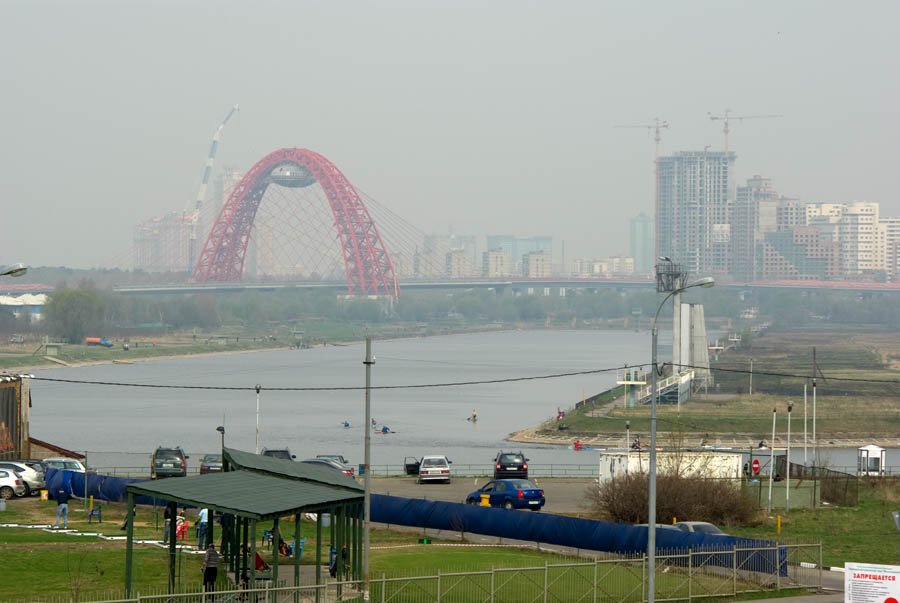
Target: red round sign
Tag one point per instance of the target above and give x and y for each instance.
(755, 466)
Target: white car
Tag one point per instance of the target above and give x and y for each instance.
(10, 484)
(434, 468)
(61, 462)
(699, 527)
(34, 479)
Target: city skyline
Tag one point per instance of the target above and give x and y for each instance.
(457, 118)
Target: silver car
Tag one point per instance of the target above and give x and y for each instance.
(34, 479)
(10, 484)
(434, 468)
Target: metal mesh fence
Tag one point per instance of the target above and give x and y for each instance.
(681, 575)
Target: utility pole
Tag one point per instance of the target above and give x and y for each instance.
(727, 117)
(367, 502)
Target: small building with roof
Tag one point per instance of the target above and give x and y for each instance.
(254, 488)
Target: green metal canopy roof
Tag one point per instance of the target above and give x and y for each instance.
(248, 493)
(289, 469)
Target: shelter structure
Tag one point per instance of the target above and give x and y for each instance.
(255, 488)
(871, 460)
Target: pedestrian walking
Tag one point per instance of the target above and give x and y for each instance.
(201, 528)
(210, 568)
(62, 508)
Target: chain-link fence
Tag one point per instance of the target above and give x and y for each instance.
(680, 575)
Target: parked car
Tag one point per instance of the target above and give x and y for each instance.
(339, 459)
(699, 527)
(168, 462)
(434, 468)
(34, 480)
(10, 484)
(211, 463)
(331, 464)
(62, 462)
(279, 453)
(510, 465)
(509, 494)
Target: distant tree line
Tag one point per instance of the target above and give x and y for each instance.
(86, 309)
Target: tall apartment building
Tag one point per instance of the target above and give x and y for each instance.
(537, 264)
(694, 222)
(518, 247)
(641, 241)
(496, 263)
(612, 266)
(891, 246)
(163, 244)
(754, 213)
(458, 264)
(862, 240)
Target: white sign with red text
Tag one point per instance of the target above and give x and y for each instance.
(870, 583)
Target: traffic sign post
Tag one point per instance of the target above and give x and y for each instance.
(755, 466)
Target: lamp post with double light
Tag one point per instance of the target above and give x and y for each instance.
(676, 286)
(221, 430)
(14, 270)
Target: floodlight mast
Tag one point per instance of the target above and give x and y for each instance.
(667, 274)
(14, 270)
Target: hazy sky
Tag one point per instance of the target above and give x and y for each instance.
(471, 116)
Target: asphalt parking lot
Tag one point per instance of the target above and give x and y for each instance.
(565, 495)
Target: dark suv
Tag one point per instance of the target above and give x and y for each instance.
(168, 462)
(510, 465)
(279, 453)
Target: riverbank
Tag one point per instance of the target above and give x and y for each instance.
(859, 380)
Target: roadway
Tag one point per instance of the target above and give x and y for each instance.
(565, 495)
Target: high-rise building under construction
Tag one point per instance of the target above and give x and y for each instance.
(693, 227)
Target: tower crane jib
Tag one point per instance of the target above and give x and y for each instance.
(727, 117)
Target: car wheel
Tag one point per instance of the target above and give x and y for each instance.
(507, 504)
(27, 491)
(471, 501)
(535, 508)
(6, 493)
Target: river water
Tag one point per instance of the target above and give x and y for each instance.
(120, 426)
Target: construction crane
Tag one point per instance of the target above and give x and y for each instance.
(204, 183)
(655, 127)
(727, 116)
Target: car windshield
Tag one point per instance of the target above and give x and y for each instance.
(434, 462)
(707, 528)
(72, 465)
(168, 453)
(279, 454)
(212, 458)
(522, 484)
(511, 459)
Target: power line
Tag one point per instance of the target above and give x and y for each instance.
(331, 388)
(448, 383)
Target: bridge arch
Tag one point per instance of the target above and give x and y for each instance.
(368, 267)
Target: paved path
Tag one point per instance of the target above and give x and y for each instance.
(565, 495)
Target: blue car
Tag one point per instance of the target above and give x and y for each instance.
(509, 494)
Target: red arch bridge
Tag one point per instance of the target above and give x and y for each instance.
(368, 268)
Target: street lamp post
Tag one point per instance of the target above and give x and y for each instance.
(772, 459)
(221, 430)
(367, 458)
(787, 462)
(654, 400)
(258, 387)
(14, 270)
(627, 435)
